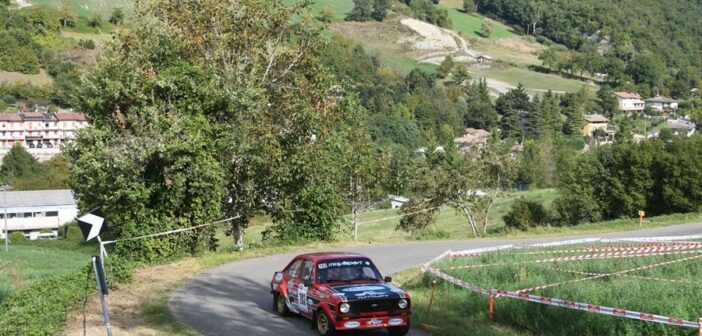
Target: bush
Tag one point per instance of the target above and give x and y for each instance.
(17, 237)
(526, 214)
(9, 100)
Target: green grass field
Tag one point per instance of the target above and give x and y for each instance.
(470, 25)
(28, 261)
(86, 7)
(533, 80)
(648, 290)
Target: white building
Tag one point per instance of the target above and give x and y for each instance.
(397, 202)
(629, 102)
(42, 133)
(661, 103)
(30, 212)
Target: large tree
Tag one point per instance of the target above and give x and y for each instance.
(196, 116)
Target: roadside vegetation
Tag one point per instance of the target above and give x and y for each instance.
(515, 272)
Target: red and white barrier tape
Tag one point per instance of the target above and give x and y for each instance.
(604, 275)
(625, 275)
(630, 314)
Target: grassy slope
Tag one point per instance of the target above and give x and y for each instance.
(87, 7)
(29, 261)
(463, 312)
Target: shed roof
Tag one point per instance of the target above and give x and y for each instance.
(36, 198)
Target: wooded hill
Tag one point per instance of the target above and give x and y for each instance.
(654, 43)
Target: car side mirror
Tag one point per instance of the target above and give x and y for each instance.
(388, 279)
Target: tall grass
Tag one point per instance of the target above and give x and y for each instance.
(516, 270)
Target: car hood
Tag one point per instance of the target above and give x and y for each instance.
(366, 291)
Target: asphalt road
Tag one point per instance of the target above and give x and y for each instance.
(235, 299)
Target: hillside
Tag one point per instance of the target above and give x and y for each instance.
(655, 44)
(405, 43)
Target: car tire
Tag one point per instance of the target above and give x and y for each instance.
(279, 305)
(399, 331)
(324, 324)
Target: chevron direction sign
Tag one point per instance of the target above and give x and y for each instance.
(92, 224)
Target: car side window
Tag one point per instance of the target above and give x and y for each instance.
(292, 270)
(307, 268)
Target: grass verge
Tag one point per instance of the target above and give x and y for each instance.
(640, 288)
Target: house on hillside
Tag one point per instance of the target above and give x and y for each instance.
(11, 130)
(472, 139)
(680, 127)
(397, 201)
(594, 122)
(661, 103)
(629, 103)
(41, 132)
(38, 213)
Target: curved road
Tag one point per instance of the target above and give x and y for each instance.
(234, 299)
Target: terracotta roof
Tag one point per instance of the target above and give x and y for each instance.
(627, 95)
(70, 116)
(595, 118)
(10, 117)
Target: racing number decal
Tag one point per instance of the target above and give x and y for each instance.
(302, 298)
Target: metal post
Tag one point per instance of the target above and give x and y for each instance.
(4, 191)
(105, 312)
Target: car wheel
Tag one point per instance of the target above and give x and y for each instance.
(399, 331)
(324, 324)
(279, 305)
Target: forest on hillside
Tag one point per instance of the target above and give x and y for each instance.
(654, 44)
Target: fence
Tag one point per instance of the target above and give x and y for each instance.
(645, 247)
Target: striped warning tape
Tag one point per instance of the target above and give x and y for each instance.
(647, 248)
(576, 258)
(603, 275)
(626, 276)
(630, 314)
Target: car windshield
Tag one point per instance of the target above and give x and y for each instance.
(346, 270)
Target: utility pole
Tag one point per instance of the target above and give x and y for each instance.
(354, 222)
(4, 192)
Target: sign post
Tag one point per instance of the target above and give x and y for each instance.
(99, 269)
(92, 224)
(641, 217)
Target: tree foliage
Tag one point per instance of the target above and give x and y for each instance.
(213, 119)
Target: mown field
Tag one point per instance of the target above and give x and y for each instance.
(87, 7)
(29, 261)
(666, 285)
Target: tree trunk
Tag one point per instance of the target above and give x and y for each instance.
(238, 235)
(471, 221)
(492, 200)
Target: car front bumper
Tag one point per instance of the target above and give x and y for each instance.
(371, 322)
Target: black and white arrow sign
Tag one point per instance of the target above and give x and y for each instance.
(92, 224)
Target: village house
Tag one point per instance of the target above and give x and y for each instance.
(472, 139)
(661, 103)
(397, 201)
(42, 133)
(38, 213)
(594, 122)
(629, 102)
(680, 127)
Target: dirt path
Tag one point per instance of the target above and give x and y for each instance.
(148, 291)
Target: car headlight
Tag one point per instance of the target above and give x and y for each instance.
(344, 308)
(402, 303)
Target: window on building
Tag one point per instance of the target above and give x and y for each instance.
(27, 215)
(52, 214)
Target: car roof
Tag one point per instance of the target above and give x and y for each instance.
(320, 256)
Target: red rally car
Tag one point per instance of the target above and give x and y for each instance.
(340, 291)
